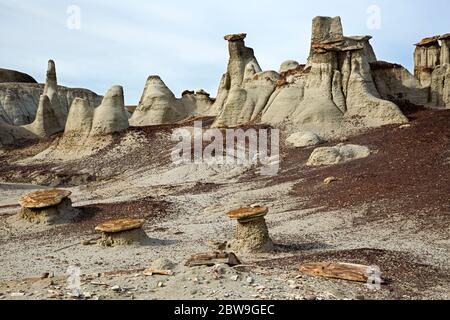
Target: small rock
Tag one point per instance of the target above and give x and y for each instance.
(115, 288)
(160, 284)
(235, 278)
(360, 297)
(45, 275)
(74, 294)
(405, 126)
(17, 294)
(249, 280)
(330, 180)
(310, 297)
(86, 242)
(87, 295)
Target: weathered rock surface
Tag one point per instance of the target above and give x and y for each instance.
(158, 105)
(304, 139)
(338, 154)
(19, 101)
(44, 198)
(333, 88)
(396, 83)
(426, 58)
(440, 86)
(122, 232)
(7, 75)
(288, 65)
(431, 68)
(47, 207)
(252, 234)
(244, 89)
(111, 115)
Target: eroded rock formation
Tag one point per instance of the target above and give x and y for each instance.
(432, 69)
(335, 87)
(111, 115)
(158, 105)
(244, 89)
(19, 101)
(7, 75)
(426, 59)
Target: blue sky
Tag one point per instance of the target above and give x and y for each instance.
(123, 42)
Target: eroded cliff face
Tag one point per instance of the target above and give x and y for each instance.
(432, 69)
(244, 89)
(158, 104)
(19, 101)
(341, 88)
(335, 86)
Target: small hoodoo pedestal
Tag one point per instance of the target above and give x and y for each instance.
(252, 234)
(47, 207)
(122, 232)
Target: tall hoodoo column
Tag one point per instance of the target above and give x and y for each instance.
(426, 59)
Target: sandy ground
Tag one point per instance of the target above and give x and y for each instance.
(185, 207)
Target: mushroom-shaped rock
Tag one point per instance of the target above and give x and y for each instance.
(252, 234)
(47, 207)
(111, 115)
(122, 232)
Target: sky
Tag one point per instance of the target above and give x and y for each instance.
(97, 44)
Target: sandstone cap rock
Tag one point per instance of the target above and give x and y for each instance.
(445, 36)
(248, 213)
(428, 41)
(120, 225)
(44, 198)
(235, 37)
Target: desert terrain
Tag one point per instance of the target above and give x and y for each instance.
(363, 178)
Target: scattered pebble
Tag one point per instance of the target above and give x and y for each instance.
(17, 294)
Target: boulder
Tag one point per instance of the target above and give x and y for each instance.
(304, 139)
(288, 65)
(338, 154)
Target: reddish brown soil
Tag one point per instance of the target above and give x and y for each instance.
(409, 170)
